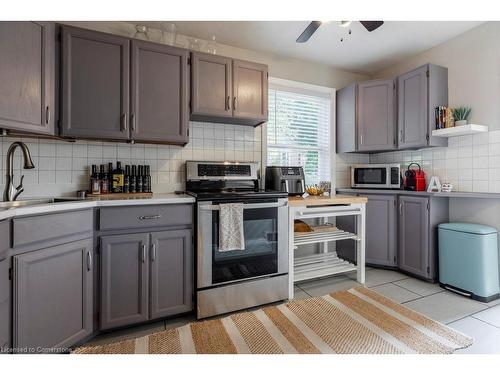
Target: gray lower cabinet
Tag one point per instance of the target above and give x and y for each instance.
(381, 230)
(159, 93)
(5, 286)
(418, 220)
(419, 93)
(171, 273)
(145, 276)
(376, 115)
(27, 75)
(124, 279)
(53, 296)
(94, 84)
(414, 235)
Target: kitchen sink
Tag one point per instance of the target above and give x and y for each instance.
(33, 202)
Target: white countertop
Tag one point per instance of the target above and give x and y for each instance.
(168, 198)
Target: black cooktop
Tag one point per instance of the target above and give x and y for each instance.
(237, 195)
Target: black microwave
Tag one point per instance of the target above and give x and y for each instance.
(378, 176)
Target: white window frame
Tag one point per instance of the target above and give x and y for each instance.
(305, 88)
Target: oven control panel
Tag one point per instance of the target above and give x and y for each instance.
(223, 170)
(199, 170)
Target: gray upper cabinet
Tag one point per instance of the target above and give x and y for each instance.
(159, 93)
(53, 296)
(381, 230)
(211, 88)
(419, 93)
(124, 279)
(346, 118)
(228, 91)
(376, 115)
(171, 273)
(94, 84)
(380, 115)
(27, 76)
(414, 235)
(250, 91)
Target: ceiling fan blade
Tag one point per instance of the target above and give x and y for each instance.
(371, 25)
(308, 32)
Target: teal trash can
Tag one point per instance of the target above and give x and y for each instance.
(468, 260)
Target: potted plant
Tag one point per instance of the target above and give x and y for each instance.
(460, 114)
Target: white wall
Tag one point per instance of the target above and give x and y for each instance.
(473, 62)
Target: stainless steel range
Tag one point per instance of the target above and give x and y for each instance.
(234, 280)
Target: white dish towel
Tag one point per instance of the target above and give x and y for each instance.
(231, 227)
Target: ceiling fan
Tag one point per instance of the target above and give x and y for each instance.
(314, 25)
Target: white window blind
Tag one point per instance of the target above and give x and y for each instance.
(298, 131)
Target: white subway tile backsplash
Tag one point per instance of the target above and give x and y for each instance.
(64, 167)
(470, 162)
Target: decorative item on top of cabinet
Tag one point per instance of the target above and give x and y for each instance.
(27, 76)
(228, 91)
(419, 93)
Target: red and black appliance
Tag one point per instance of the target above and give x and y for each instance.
(414, 178)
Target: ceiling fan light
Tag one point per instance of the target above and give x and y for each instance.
(345, 23)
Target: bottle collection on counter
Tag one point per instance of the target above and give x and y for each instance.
(135, 179)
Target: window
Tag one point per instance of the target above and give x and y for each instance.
(298, 129)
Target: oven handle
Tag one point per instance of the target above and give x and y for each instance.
(215, 207)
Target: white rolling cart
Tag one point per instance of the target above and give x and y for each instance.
(325, 263)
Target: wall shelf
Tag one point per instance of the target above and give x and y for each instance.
(460, 130)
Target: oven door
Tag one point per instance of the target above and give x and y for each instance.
(370, 177)
(265, 225)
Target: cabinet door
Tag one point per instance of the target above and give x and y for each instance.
(95, 84)
(376, 116)
(414, 235)
(171, 273)
(413, 108)
(27, 76)
(159, 101)
(4, 305)
(53, 296)
(124, 279)
(346, 118)
(211, 89)
(381, 230)
(250, 90)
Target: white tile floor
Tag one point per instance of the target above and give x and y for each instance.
(478, 320)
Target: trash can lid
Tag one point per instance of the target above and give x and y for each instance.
(468, 228)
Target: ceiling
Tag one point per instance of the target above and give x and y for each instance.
(360, 52)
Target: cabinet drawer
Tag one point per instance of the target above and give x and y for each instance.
(4, 239)
(27, 230)
(145, 216)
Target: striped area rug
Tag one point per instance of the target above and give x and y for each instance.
(357, 321)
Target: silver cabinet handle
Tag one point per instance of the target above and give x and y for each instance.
(401, 209)
(228, 103)
(143, 254)
(124, 122)
(361, 140)
(149, 217)
(132, 122)
(401, 135)
(153, 252)
(47, 114)
(89, 260)
(234, 103)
